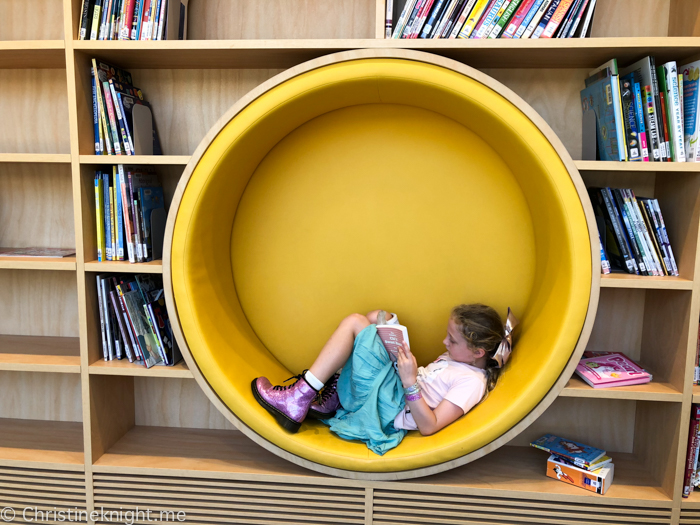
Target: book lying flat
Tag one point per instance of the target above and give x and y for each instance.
(37, 252)
(583, 456)
(611, 370)
(598, 481)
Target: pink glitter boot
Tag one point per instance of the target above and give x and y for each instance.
(327, 401)
(288, 404)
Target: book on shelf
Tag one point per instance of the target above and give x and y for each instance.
(596, 480)
(611, 370)
(658, 108)
(42, 253)
(123, 122)
(130, 214)
(632, 233)
(490, 19)
(133, 20)
(691, 463)
(134, 321)
(583, 456)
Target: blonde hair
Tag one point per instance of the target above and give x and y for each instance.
(481, 327)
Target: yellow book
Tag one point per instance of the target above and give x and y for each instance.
(473, 19)
(112, 217)
(100, 214)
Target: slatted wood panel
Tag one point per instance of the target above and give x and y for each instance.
(690, 517)
(224, 501)
(46, 496)
(404, 508)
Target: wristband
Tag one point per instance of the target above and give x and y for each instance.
(414, 388)
(413, 397)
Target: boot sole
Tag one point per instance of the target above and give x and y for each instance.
(281, 418)
(320, 415)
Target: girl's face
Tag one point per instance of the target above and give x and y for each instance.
(457, 346)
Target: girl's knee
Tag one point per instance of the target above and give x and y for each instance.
(356, 322)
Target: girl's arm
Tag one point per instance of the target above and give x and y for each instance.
(428, 420)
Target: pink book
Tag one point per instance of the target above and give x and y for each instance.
(613, 369)
(392, 336)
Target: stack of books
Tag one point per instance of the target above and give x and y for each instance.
(130, 214)
(133, 20)
(491, 19)
(122, 119)
(134, 320)
(577, 464)
(632, 233)
(609, 369)
(642, 113)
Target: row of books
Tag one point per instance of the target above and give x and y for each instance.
(491, 19)
(642, 112)
(134, 320)
(691, 479)
(130, 214)
(133, 20)
(577, 464)
(632, 233)
(122, 119)
(610, 369)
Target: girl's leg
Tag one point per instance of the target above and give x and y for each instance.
(337, 350)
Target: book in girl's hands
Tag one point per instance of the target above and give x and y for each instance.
(611, 370)
(579, 454)
(392, 335)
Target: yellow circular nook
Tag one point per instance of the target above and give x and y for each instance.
(379, 179)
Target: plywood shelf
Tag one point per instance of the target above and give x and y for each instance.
(38, 263)
(36, 158)
(40, 353)
(691, 502)
(32, 54)
(644, 282)
(497, 53)
(125, 266)
(122, 367)
(661, 167)
(653, 391)
(46, 444)
(153, 160)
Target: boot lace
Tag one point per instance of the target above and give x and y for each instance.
(285, 387)
(328, 391)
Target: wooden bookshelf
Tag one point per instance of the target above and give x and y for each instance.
(50, 340)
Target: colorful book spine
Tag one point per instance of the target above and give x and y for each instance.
(403, 19)
(692, 447)
(660, 218)
(114, 127)
(576, 20)
(473, 18)
(114, 299)
(652, 123)
(665, 153)
(619, 125)
(113, 219)
(119, 215)
(94, 31)
(517, 19)
(639, 114)
(556, 19)
(545, 18)
(96, 118)
(604, 263)
(120, 119)
(107, 216)
(485, 24)
(632, 233)
(674, 108)
(568, 19)
(462, 18)
(388, 19)
(99, 214)
(499, 14)
(447, 18)
(634, 152)
(646, 235)
(534, 20)
(505, 19)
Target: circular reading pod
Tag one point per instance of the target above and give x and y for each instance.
(372, 179)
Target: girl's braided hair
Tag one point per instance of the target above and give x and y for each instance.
(481, 327)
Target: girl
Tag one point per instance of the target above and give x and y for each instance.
(377, 401)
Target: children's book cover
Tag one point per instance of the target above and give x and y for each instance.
(598, 97)
(597, 481)
(581, 455)
(615, 369)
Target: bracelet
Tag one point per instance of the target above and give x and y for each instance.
(413, 397)
(413, 389)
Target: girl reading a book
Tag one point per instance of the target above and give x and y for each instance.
(376, 400)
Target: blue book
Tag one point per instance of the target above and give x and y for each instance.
(579, 454)
(598, 97)
(96, 118)
(528, 18)
(108, 219)
(433, 18)
(639, 114)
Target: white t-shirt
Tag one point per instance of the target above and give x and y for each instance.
(460, 383)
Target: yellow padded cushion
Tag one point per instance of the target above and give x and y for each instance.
(378, 183)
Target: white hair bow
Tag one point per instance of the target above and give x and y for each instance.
(506, 347)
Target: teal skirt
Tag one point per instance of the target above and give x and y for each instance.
(371, 395)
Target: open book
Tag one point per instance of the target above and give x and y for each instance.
(392, 334)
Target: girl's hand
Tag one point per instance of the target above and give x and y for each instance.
(407, 366)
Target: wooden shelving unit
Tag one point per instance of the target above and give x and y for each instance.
(122, 435)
